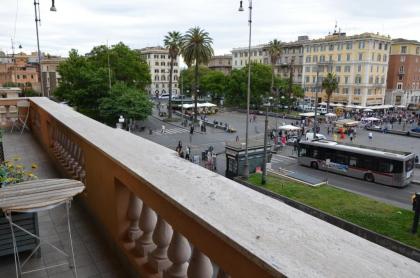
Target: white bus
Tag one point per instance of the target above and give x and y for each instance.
(382, 166)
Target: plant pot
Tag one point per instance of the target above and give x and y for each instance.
(25, 242)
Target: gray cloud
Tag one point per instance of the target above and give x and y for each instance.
(83, 24)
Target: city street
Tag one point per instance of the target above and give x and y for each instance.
(216, 138)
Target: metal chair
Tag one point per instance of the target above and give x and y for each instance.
(3, 115)
(12, 116)
(22, 117)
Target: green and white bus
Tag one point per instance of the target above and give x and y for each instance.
(382, 166)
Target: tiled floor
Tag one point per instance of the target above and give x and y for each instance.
(93, 258)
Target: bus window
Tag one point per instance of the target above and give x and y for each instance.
(409, 165)
(302, 151)
(353, 161)
(398, 166)
(341, 158)
(385, 167)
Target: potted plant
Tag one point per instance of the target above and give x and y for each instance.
(11, 174)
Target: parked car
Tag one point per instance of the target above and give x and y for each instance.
(416, 129)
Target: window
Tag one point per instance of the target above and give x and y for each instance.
(361, 44)
(346, 79)
(358, 79)
(307, 69)
(349, 45)
(322, 58)
(359, 68)
(339, 57)
(330, 58)
(156, 78)
(163, 56)
(370, 79)
(380, 45)
(315, 59)
(385, 57)
(404, 49)
(399, 86)
(156, 71)
(357, 91)
(307, 79)
(386, 46)
(331, 47)
(402, 70)
(156, 63)
(308, 59)
(163, 78)
(379, 58)
(360, 56)
(346, 90)
(236, 55)
(348, 57)
(347, 69)
(418, 50)
(338, 68)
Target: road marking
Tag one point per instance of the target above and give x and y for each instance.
(171, 131)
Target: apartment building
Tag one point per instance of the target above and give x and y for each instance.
(222, 63)
(50, 75)
(290, 59)
(160, 64)
(403, 82)
(360, 63)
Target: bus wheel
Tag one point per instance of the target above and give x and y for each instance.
(369, 177)
(314, 165)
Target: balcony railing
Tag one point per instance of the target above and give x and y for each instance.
(172, 218)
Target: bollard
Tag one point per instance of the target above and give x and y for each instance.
(416, 208)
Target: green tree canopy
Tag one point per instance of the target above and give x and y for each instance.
(85, 79)
(214, 83)
(126, 101)
(330, 84)
(236, 93)
(187, 78)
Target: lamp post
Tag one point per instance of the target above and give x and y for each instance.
(264, 175)
(37, 21)
(246, 165)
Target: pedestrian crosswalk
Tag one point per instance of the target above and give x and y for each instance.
(170, 131)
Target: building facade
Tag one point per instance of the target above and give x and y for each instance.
(360, 63)
(291, 58)
(403, 82)
(50, 75)
(20, 70)
(160, 64)
(222, 63)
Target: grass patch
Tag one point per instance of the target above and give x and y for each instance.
(376, 216)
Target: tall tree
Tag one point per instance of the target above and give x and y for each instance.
(329, 84)
(197, 49)
(275, 50)
(130, 102)
(172, 41)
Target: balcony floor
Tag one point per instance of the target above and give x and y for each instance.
(93, 258)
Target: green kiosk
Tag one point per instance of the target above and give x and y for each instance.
(235, 157)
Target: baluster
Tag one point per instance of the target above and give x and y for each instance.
(179, 253)
(133, 215)
(222, 274)
(148, 220)
(200, 265)
(158, 259)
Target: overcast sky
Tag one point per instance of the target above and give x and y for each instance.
(82, 24)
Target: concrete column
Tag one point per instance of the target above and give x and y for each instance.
(200, 265)
(179, 253)
(148, 221)
(162, 235)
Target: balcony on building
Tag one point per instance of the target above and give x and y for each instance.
(148, 213)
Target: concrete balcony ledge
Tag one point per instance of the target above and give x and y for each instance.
(209, 209)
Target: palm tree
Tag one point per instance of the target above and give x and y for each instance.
(173, 42)
(196, 49)
(329, 84)
(275, 50)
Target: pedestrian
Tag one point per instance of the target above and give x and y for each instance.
(187, 153)
(351, 137)
(163, 129)
(192, 129)
(237, 138)
(370, 135)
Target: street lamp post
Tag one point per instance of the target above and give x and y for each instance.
(37, 21)
(246, 165)
(264, 175)
(316, 100)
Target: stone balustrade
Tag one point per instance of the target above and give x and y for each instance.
(166, 217)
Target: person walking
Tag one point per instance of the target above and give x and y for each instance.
(187, 153)
(163, 129)
(237, 138)
(370, 135)
(351, 137)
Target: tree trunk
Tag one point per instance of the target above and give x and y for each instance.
(195, 91)
(170, 89)
(272, 79)
(328, 101)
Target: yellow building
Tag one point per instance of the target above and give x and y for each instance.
(360, 63)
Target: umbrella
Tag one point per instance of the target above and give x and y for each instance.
(289, 127)
(368, 110)
(331, 115)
